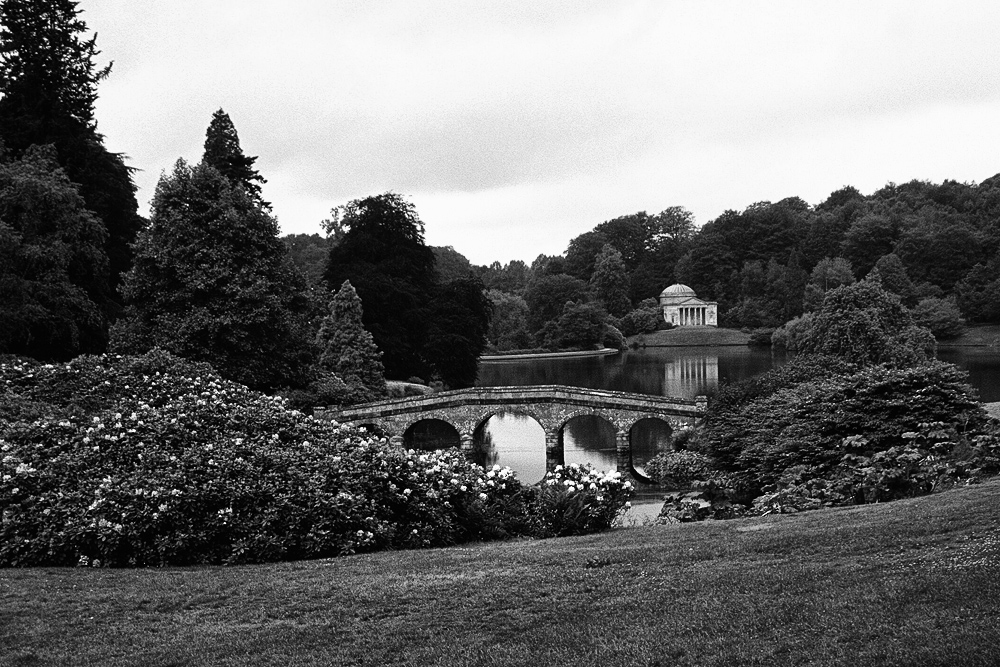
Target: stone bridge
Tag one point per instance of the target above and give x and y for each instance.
(552, 406)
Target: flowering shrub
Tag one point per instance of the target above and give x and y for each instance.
(576, 499)
(153, 460)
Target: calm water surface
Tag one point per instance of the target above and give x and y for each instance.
(683, 372)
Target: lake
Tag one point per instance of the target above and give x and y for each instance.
(683, 372)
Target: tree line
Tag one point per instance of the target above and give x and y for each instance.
(207, 276)
(323, 317)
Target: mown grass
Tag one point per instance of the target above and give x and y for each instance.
(914, 582)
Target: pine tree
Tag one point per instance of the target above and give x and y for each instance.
(48, 87)
(348, 350)
(212, 282)
(223, 151)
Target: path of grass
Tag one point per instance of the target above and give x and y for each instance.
(907, 583)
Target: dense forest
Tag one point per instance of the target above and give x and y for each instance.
(208, 276)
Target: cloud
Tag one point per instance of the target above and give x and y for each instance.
(538, 121)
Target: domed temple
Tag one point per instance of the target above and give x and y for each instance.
(682, 308)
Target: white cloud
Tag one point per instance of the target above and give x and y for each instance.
(516, 126)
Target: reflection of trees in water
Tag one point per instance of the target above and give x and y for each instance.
(512, 440)
(590, 439)
(484, 450)
(649, 437)
(590, 433)
(431, 434)
(642, 371)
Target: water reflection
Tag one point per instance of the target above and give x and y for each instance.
(514, 441)
(649, 437)
(682, 372)
(431, 435)
(590, 439)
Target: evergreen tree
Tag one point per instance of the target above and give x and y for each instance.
(348, 350)
(212, 282)
(223, 151)
(610, 282)
(48, 87)
(51, 259)
(384, 256)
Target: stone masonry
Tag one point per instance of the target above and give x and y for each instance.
(552, 406)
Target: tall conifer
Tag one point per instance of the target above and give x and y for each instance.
(48, 87)
(223, 151)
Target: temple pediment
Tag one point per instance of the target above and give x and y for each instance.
(682, 307)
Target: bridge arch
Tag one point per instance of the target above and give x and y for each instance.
(552, 406)
(431, 433)
(512, 438)
(590, 437)
(648, 436)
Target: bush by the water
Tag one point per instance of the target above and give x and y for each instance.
(876, 434)
(153, 460)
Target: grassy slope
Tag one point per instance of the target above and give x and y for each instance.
(980, 335)
(692, 336)
(908, 583)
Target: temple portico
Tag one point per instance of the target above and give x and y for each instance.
(682, 308)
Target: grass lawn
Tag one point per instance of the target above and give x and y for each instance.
(908, 583)
(686, 336)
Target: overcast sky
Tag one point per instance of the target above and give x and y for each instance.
(515, 126)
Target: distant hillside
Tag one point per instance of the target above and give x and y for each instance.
(691, 336)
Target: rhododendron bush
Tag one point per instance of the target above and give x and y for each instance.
(153, 460)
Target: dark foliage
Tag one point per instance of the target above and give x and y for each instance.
(457, 333)
(212, 282)
(223, 152)
(53, 270)
(48, 82)
(384, 256)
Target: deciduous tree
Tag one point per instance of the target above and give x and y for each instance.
(384, 256)
(610, 282)
(53, 267)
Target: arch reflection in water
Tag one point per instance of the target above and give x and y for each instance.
(648, 438)
(590, 439)
(430, 435)
(514, 441)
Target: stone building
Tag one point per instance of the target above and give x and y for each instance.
(682, 308)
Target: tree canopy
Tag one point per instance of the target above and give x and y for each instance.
(212, 282)
(384, 256)
(223, 151)
(348, 351)
(52, 262)
(48, 87)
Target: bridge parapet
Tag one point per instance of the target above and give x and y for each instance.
(552, 406)
(526, 395)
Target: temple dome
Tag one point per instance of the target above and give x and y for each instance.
(678, 290)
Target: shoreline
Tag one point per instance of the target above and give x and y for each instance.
(604, 351)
